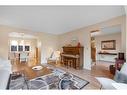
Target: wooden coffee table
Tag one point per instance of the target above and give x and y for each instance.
(31, 74)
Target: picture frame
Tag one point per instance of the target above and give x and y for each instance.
(108, 45)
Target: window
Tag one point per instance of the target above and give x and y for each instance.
(27, 48)
(13, 48)
(19, 45)
(20, 48)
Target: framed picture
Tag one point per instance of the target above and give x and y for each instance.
(108, 45)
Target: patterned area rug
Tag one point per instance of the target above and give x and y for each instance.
(58, 79)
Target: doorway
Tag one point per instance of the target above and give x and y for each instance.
(23, 49)
(93, 50)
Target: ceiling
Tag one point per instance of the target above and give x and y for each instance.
(56, 19)
(107, 31)
(22, 35)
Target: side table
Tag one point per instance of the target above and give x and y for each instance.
(112, 69)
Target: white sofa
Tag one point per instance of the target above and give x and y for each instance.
(5, 71)
(120, 78)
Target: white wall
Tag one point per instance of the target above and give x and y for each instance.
(98, 40)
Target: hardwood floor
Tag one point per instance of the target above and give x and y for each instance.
(100, 69)
(26, 68)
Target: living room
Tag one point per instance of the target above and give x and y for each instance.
(70, 33)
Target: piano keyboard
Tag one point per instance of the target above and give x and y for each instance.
(69, 55)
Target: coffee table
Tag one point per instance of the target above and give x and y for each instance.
(31, 74)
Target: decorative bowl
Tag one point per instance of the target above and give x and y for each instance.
(37, 68)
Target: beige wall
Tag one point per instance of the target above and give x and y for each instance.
(126, 35)
(98, 39)
(83, 36)
(126, 30)
(44, 41)
(47, 43)
(3, 44)
(123, 34)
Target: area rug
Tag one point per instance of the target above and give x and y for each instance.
(58, 79)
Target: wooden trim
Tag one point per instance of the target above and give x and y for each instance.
(72, 47)
(108, 53)
(93, 31)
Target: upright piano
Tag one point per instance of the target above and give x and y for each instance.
(75, 54)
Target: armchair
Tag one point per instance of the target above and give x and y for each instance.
(23, 57)
(55, 56)
(5, 71)
(5, 64)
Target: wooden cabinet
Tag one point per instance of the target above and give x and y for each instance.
(107, 56)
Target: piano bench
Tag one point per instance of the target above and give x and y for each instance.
(70, 63)
(65, 62)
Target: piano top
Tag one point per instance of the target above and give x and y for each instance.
(72, 47)
(72, 50)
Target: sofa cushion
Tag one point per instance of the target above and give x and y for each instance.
(106, 82)
(124, 69)
(4, 77)
(5, 64)
(120, 86)
(120, 77)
